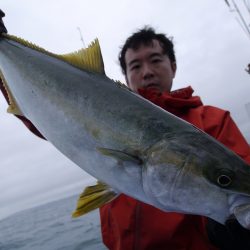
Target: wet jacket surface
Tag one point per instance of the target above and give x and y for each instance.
(130, 224)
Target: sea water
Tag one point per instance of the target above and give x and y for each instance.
(51, 227)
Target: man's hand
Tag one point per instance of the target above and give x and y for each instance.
(230, 236)
(2, 27)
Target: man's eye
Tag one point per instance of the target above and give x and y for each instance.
(134, 67)
(156, 60)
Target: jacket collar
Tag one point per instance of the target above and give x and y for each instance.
(176, 102)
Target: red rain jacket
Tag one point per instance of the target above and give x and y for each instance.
(128, 224)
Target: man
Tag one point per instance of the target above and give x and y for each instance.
(148, 62)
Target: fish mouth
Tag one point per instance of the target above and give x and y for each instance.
(242, 214)
(240, 209)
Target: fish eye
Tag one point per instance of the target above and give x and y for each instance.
(224, 180)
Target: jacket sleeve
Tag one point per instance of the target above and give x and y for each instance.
(219, 124)
(231, 136)
(26, 122)
(231, 235)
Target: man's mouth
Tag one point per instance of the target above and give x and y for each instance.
(151, 85)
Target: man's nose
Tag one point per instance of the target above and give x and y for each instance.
(147, 72)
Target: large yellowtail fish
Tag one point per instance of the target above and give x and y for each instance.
(121, 139)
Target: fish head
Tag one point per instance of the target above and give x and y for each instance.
(233, 177)
(186, 179)
(228, 172)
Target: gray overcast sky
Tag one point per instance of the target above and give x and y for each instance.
(212, 52)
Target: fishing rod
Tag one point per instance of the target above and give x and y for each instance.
(244, 24)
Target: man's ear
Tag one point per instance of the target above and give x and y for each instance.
(126, 79)
(174, 68)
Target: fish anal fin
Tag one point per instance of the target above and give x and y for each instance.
(94, 197)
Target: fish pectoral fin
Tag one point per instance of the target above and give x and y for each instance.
(94, 197)
(89, 58)
(120, 155)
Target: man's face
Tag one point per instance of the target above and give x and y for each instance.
(148, 67)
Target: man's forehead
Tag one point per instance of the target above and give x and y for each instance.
(147, 44)
(151, 47)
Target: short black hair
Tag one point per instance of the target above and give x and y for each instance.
(145, 36)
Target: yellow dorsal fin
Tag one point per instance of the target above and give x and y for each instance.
(13, 107)
(94, 197)
(88, 59)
